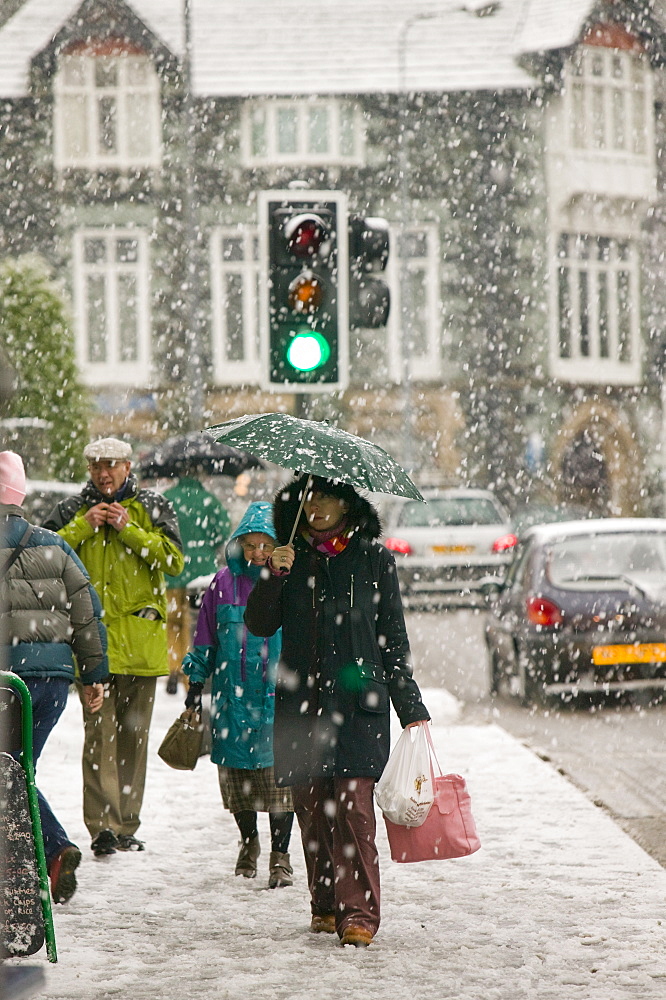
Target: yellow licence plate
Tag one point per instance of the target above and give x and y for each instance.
(642, 652)
(455, 549)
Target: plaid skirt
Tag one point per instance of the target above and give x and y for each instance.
(253, 791)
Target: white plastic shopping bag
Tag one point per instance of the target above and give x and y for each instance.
(404, 793)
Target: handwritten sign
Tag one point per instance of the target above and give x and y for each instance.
(20, 902)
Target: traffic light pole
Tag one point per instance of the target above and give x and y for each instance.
(193, 339)
(300, 405)
(406, 303)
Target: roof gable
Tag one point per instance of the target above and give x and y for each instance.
(552, 25)
(41, 28)
(102, 20)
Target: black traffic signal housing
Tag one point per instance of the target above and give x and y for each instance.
(304, 290)
(369, 295)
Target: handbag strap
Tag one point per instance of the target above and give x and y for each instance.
(13, 556)
(431, 746)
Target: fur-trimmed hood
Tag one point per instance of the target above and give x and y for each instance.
(362, 515)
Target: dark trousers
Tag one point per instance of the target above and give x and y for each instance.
(337, 821)
(49, 698)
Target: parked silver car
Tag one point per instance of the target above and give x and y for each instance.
(449, 549)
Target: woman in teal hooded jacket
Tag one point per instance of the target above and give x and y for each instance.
(243, 669)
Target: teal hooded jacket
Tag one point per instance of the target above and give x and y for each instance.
(242, 666)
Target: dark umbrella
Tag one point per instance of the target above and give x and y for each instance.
(314, 446)
(197, 453)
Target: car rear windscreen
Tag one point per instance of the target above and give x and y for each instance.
(603, 560)
(441, 512)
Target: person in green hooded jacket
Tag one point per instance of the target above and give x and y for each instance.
(128, 540)
(204, 526)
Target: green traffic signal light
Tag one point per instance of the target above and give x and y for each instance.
(308, 350)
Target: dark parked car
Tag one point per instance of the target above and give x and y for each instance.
(582, 609)
(449, 548)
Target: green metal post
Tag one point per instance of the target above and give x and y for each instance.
(26, 761)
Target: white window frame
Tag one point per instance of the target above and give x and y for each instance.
(595, 365)
(228, 371)
(270, 109)
(427, 366)
(114, 370)
(584, 86)
(89, 95)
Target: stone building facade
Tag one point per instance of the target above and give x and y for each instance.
(513, 147)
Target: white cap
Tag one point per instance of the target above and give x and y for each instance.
(112, 449)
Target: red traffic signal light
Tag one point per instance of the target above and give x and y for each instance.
(307, 236)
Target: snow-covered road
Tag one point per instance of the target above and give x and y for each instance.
(558, 905)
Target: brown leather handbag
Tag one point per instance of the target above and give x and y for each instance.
(181, 747)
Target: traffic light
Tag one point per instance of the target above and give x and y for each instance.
(369, 295)
(304, 290)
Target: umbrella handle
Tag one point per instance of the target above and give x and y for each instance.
(300, 510)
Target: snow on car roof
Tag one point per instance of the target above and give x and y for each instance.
(458, 491)
(600, 526)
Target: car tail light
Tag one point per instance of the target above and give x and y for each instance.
(541, 611)
(399, 545)
(504, 542)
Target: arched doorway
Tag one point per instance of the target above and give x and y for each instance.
(598, 463)
(584, 478)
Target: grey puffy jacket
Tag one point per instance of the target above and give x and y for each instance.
(49, 611)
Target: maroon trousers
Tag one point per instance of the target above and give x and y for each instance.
(337, 821)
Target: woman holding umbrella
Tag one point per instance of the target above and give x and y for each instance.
(345, 658)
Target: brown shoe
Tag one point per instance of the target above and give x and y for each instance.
(323, 923)
(360, 937)
(246, 863)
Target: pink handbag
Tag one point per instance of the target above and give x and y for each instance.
(449, 830)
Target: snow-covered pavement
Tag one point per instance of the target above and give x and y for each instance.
(559, 903)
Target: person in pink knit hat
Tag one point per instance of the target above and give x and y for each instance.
(50, 613)
(12, 478)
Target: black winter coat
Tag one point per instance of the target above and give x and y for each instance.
(345, 653)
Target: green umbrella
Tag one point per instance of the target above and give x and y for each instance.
(314, 446)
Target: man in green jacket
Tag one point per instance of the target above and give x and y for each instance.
(204, 527)
(127, 539)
